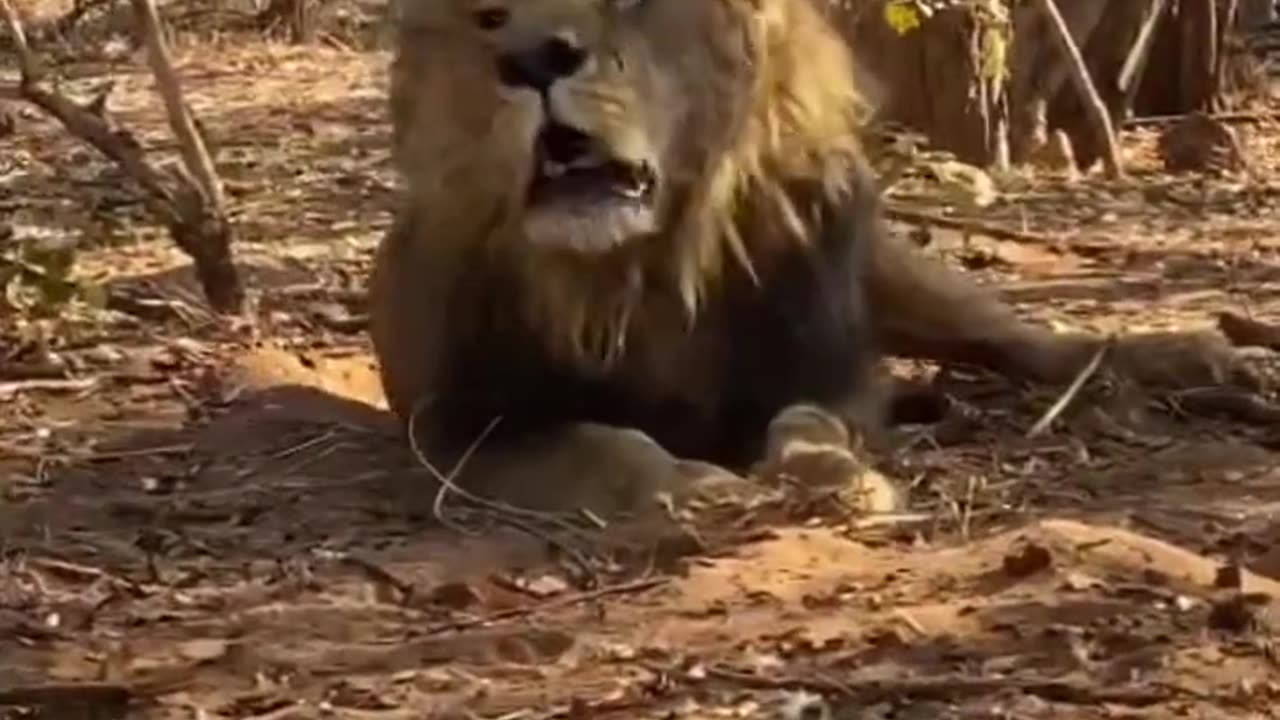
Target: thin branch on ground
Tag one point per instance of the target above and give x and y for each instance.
(513, 516)
(626, 588)
(1239, 116)
(952, 688)
(976, 227)
(188, 202)
(1073, 389)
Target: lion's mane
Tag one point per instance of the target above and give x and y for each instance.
(799, 123)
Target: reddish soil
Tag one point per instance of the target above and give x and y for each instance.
(210, 518)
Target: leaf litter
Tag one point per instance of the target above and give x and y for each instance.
(211, 517)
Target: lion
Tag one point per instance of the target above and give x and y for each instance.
(640, 244)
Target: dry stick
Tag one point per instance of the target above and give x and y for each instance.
(1073, 389)
(447, 482)
(952, 687)
(195, 156)
(626, 588)
(1136, 62)
(976, 227)
(205, 233)
(187, 209)
(513, 516)
(1094, 107)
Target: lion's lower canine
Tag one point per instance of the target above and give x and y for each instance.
(646, 215)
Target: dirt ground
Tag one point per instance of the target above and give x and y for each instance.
(204, 518)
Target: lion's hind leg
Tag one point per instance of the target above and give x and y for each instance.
(811, 448)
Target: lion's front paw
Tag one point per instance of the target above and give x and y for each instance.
(809, 450)
(1180, 360)
(831, 472)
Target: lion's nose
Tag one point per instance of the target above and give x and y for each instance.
(539, 66)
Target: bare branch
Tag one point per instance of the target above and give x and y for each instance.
(195, 156)
(188, 204)
(116, 143)
(1095, 109)
(26, 63)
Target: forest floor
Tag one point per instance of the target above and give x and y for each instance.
(214, 519)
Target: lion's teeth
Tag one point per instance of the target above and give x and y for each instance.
(553, 169)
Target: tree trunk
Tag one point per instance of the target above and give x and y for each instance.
(1198, 23)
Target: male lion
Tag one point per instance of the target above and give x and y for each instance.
(641, 234)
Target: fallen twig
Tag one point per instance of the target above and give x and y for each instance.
(626, 588)
(1236, 404)
(188, 202)
(74, 385)
(107, 455)
(1073, 389)
(1226, 117)
(448, 484)
(952, 687)
(378, 574)
(975, 227)
(99, 696)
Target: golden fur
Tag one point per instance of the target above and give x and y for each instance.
(623, 359)
(464, 148)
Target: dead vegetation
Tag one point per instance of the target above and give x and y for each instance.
(211, 516)
(189, 201)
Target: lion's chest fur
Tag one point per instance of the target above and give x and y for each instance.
(705, 389)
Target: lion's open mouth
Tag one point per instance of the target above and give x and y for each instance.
(581, 198)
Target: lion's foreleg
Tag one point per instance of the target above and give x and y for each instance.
(925, 310)
(608, 470)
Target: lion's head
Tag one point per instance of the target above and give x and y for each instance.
(605, 148)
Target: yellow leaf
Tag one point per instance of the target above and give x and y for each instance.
(902, 16)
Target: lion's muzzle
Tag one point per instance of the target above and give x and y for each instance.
(581, 198)
(538, 66)
(584, 194)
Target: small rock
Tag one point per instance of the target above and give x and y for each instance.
(1030, 560)
(542, 587)
(456, 596)
(1199, 143)
(104, 355)
(203, 650)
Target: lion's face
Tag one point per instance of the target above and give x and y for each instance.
(602, 117)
